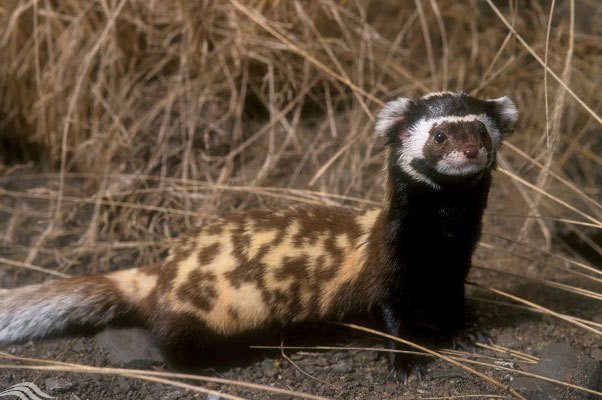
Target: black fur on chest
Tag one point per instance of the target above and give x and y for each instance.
(431, 235)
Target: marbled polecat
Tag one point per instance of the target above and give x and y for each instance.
(404, 263)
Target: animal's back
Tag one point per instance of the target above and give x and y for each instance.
(261, 268)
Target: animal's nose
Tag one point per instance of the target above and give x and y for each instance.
(470, 152)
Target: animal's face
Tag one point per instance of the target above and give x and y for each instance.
(445, 134)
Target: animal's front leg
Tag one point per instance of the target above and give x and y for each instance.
(402, 365)
(457, 324)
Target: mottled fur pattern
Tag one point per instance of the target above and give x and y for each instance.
(404, 263)
(250, 270)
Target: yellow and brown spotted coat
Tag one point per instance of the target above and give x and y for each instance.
(262, 268)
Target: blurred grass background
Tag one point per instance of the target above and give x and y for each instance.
(126, 122)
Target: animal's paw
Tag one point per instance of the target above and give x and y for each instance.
(467, 339)
(406, 369)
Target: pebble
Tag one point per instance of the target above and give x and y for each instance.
(121, 384)
(562, 362)
(129, 347)
(79, 346)
(367, 356)
(321, 361)
(391, 387)
(597, 353)
(342, 367)
(176, 394)
(340, 355)
(507, 340)
(58, 385)
(453, 372)
(268, 368)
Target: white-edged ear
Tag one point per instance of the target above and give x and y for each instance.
(391, 115)
(507, 111)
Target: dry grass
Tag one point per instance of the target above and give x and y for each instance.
(145, 118)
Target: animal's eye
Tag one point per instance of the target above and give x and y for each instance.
(482, 130)
(440, 137)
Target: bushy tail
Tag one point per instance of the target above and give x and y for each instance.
(53, 307)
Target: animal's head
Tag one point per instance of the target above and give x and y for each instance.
(443, 137)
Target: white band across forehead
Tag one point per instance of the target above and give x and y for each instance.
(433, 94)
(421, 129)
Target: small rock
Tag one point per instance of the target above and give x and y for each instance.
(530, 388)
(507, 340)
(176, 394)
(121, 385)
(5, 280)
(320, 361)
(562, 362)
(129, 347)
(453, 372)
(391, 387)
(368, 356)
(79, 346)
(339, 355)
(268, 368)
(342, 367)
(58, 385)
(597, 353)
(213, 397)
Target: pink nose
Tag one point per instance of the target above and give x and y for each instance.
(470, 152)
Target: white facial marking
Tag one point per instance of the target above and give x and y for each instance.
(433, 94)
(494, 133)
(391, 114)
(411, 150)
(457, 164)
(404, 162)
(422, 128)
(419, 134)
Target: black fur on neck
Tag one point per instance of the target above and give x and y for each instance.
(431, 234)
